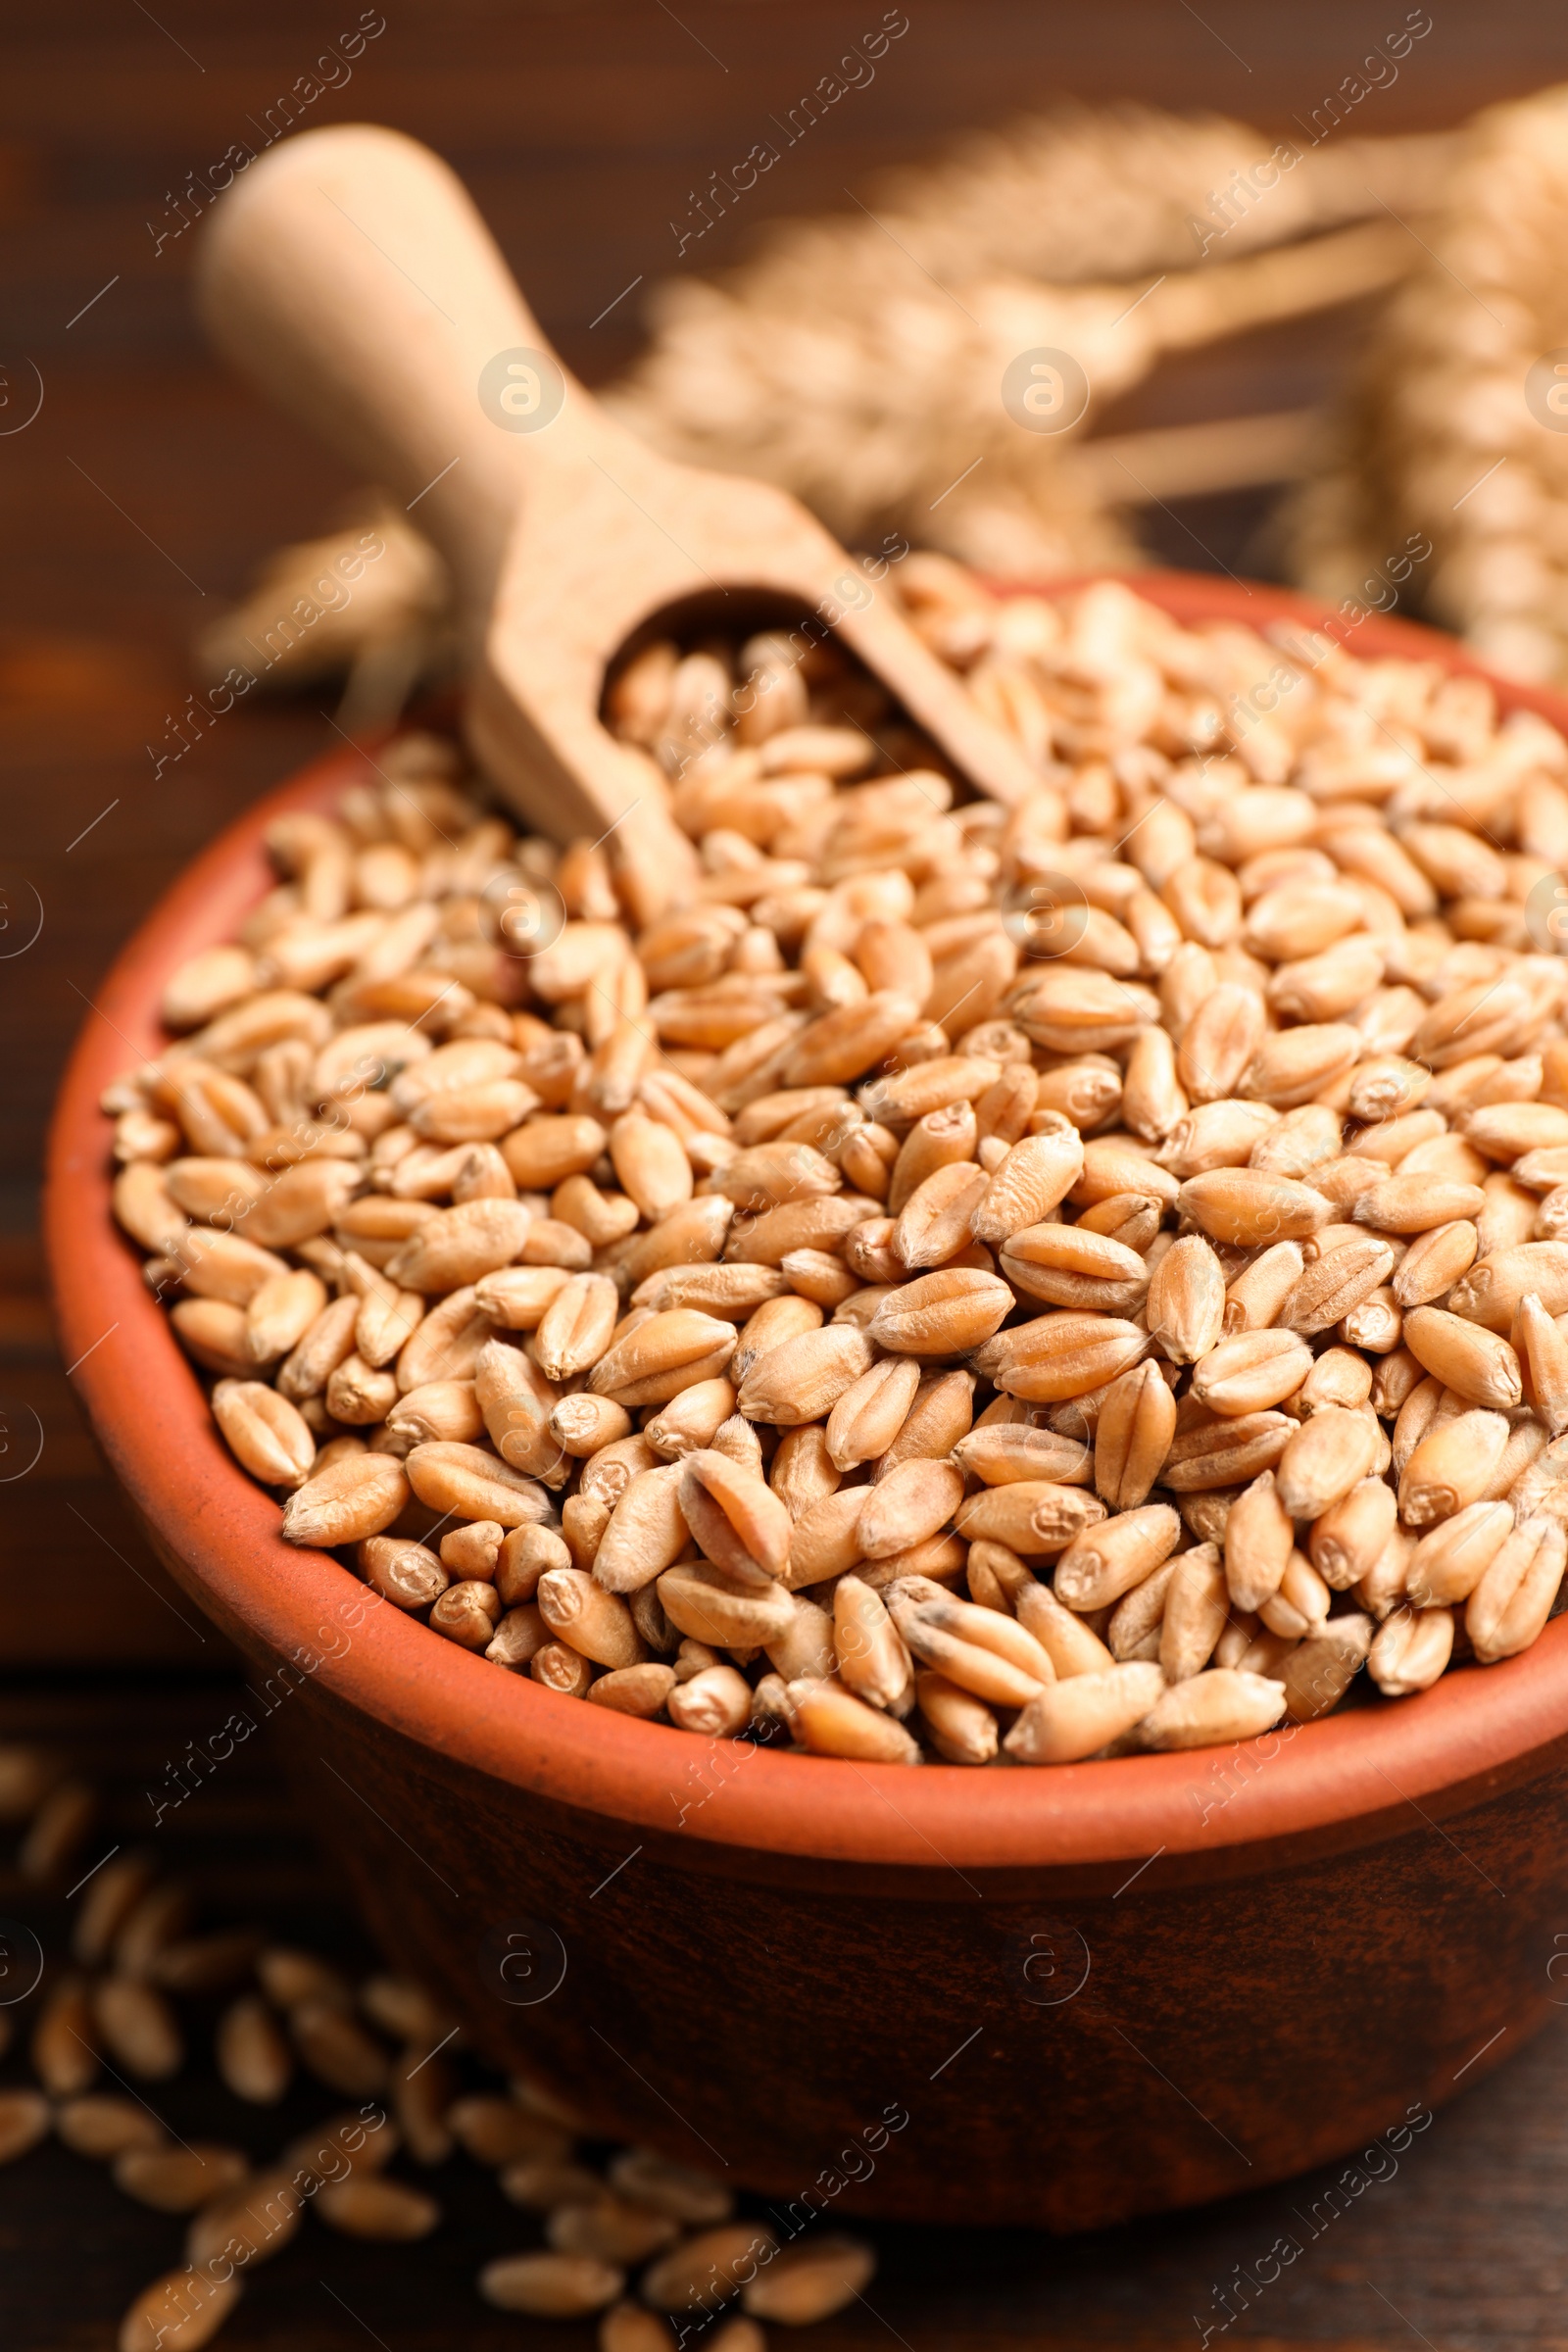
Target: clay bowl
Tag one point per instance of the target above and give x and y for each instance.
(1057, 1998)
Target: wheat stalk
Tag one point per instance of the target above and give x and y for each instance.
(1447, 432)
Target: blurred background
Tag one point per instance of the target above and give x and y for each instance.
(1300, 369)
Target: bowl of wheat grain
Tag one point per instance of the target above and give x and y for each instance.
(904, 1516)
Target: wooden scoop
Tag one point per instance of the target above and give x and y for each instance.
(349, 276)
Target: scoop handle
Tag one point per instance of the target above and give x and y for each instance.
(349, 277)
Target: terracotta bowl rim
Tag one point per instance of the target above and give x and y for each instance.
(150, 1414)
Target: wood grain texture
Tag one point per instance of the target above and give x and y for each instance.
(1455, 2237)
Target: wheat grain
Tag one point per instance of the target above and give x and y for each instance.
(802, 1258)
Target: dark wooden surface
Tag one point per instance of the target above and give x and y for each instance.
(139, 499)
(1451, 2238)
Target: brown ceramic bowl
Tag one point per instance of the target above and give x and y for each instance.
(1031, 1996)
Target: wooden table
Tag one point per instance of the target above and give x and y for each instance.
(140, 499)
(1452, 2238)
